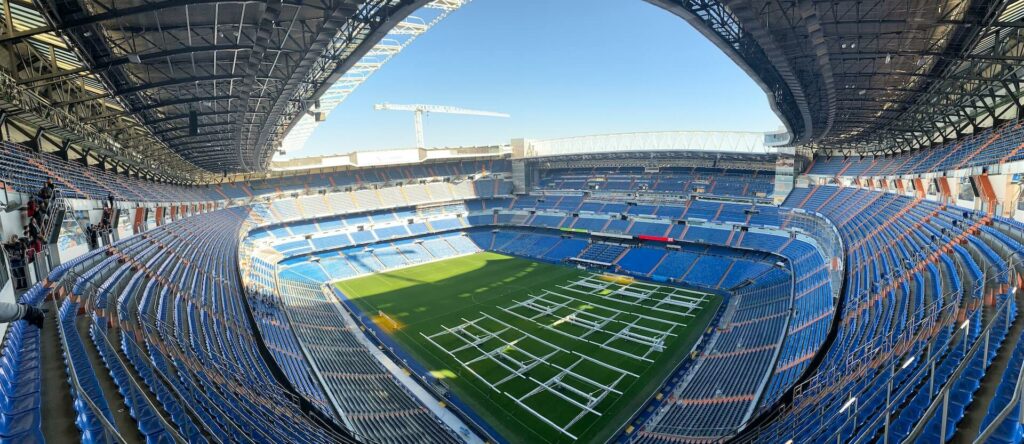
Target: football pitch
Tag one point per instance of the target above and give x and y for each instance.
(544, 353)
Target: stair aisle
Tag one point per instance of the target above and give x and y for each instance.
(58, 417)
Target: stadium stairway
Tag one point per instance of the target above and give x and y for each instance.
(972, 424)
(126, 425)
(58, 417)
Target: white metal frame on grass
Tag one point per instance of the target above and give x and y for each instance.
(619, 324)
(651, 296)
(587, 393)
(573, 311)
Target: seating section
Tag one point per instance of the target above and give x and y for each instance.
(310, 217)
(20, 375)
(196, 354)
(274, 327)
(991, 146)
(351, 262)
(913, 278)
(26, 171)
(167, 298)
(680, 181)
(602, 252)
(363, 177)
(379, 407)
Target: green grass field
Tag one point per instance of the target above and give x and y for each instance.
(543, 353)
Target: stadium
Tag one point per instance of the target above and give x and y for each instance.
(851, 277)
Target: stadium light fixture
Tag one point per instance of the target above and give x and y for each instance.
(849, 402)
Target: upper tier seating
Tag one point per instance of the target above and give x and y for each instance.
(364, 177)
(682, 181)
(26, 171)
(991, 146)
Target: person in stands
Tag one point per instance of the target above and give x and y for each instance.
(46, 192)
(33, 228)
(15, 248)
(31, 209)
(10, 312)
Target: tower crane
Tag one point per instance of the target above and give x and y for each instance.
(420, 110)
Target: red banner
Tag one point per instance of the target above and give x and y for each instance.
(654, 238)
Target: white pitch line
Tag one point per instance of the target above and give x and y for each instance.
(677, 313)
(579, 312)
(464, 365)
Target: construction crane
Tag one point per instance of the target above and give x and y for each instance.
(420, 110)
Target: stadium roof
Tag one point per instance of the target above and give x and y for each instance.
(124, 79)
(874, 75)
(142, 70)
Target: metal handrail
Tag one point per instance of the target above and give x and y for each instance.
(256, 427)
(193, 414)
(136, 386)
(274, 391)
(942, 396)
(67, 281)
(1015, 401)
(110, 429)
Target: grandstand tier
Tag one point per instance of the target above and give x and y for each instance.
(854, 276)
(842, 294)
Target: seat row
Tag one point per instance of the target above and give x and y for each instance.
(917, 276)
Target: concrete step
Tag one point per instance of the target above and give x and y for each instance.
(58, 420)
(126, 425)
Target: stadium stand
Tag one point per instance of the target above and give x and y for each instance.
(695, 180)
(867, 254)
(177, 314)
(26, 171)
(991, 146)
(913, 269)
(756, 272)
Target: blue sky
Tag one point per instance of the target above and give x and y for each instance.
(560, 67)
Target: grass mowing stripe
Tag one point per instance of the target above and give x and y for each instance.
(481, 287)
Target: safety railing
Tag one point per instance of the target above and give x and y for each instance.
(111, 434)
(214, 363)
(825, 234)
(914, 349)
(1016, 401)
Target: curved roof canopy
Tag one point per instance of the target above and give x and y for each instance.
(878, 76)
(208, 85)
(186, 89)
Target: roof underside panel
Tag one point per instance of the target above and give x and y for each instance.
(893, 75)
(214, 86)
(219, 82)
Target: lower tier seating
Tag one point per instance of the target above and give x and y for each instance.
(165, 305)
